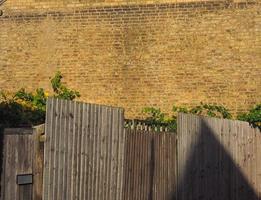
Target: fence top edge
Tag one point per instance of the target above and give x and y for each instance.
(18, 131)
(39, 129)
(86, 103)
(207, 117)
(201, 117)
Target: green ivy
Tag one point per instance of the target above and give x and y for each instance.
(155, 117)
(60, 90)
(28, 108)
(253, 116)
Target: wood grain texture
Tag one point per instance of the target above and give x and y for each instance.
(217, 159)
(84, 151)
(23, 154)
(150, 165)
(89, 155)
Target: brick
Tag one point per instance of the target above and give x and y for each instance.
(136, 55)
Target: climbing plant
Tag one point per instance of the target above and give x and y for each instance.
(25, 108)
(155, 117)
(253, 116)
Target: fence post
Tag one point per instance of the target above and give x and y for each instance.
(38, 162)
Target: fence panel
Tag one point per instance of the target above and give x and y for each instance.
(83, 151)
(150, 166)
(218, 159)
(22, 157)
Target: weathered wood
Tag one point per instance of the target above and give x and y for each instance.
(38, 160)
(15, 131)
(150, 165)
(25, 192)
(84, 151)
(217, 159)
(23, 154)
(90, 156)
(18, 159)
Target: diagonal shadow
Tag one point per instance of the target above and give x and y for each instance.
(210, 172)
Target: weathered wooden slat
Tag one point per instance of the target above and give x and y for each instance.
(99, 151)
(38, 163)
(16, 131)
(258, 162)
(217, 159)
(18, 158)
(84, 151)
(147, 172)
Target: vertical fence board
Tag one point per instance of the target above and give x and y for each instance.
(217, 159)
(84, 151)
(22, 155)
(258, 162)
(89, 155)
(88, 144)
(150, 166)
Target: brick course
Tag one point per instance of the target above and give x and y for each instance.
(137, 55)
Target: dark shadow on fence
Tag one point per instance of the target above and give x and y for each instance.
(210, 172)
(150, 166)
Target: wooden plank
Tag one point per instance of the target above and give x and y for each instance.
(55, 154)
(108, 150)
(18, 131)
(94, 149)
(225, 167)
(23, 154)
(79, 149)
(65, 159)
(38, 165)
(25, 192)
(95, 152)
(50, 158)
(228, 159)
(258, 163)
(70, 149)
(60, 151)
(10, 160)
(86, 121)
(57, 151)
(146, 167)
(120, 156)
(83, 152)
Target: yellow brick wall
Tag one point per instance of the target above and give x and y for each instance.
(61, 4)
(138, 55)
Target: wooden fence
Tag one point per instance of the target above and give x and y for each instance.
(88, 155)
(83, 151)
(21, 178)
(218, 159)
(150, 166)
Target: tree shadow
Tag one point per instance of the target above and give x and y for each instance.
(210, 172)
